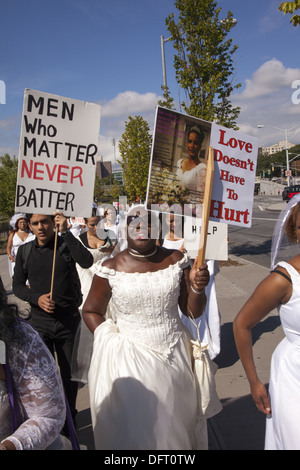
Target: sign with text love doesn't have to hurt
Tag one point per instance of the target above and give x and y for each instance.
(178, 169)
(235, 158)
(57, 156)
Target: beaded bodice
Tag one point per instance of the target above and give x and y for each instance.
(145, 305)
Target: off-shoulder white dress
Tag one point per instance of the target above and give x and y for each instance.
(194, 179)
(141, 383)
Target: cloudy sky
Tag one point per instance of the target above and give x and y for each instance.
(109, 52)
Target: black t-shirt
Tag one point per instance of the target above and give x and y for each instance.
(39, 274)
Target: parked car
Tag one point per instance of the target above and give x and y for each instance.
(290, 191)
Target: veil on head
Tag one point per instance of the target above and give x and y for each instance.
(284, 246)
(15, 219)
(135, 211)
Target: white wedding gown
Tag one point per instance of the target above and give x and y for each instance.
(193, 180)
(283, 426)
(141, 383)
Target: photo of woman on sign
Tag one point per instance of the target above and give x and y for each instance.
(191, 171)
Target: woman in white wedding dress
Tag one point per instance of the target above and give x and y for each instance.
(20, 235)
(191, 171)
(141, 382)
(281, 289)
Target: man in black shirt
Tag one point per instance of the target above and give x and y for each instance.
(56, 319)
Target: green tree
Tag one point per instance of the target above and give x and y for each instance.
(8, 182)
(168, 101)
(135, 150)
(204, 63)
(291, 7)
(117, 190)
(98, 190)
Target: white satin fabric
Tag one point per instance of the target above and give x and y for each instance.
(83, 346)
(193, 180)
(283, 426)
(173, 244)
(210, 321)
(16, 243)
(141, 383)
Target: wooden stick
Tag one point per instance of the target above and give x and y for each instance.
(206, 207)
(53, 265)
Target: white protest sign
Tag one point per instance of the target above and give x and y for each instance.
(79, 221)
(217, 239)
(235, 158)
(57, 157)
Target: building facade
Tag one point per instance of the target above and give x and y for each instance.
(276, 148)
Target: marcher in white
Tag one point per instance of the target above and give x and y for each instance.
(281, 289)
(142, 388)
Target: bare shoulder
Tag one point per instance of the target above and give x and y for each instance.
(113, 263)
(184, 165)
(295, 262)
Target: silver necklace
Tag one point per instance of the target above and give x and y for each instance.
(139, 255)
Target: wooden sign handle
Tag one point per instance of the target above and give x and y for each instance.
(53, 264)
(206, 207)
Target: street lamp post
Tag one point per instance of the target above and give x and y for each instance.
(162, 41)
(286, 146)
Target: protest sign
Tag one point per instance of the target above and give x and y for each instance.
(79, 221)
(235, 156)
(174, 186)
(178, 140)
(57, 157)
(216, 243)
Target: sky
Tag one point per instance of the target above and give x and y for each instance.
(109, 52)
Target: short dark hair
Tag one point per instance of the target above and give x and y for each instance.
(28, 217)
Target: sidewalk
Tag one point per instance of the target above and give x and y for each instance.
(239, 426)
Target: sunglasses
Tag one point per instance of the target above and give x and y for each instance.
(146, 219)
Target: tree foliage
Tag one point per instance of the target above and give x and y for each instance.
(98, 190)
(8, 182)
(167, 101)
(135, 150)
(291, 7)
(204, 63)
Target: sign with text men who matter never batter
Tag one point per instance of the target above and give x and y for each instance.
(57, 157)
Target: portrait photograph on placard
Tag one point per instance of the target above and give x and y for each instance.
(178, 162)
